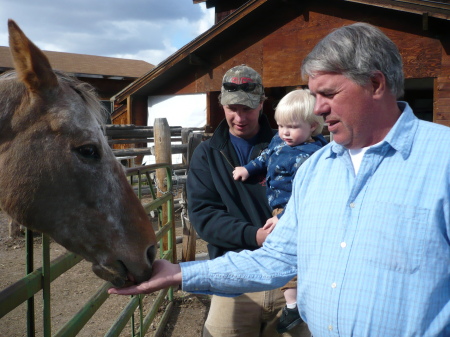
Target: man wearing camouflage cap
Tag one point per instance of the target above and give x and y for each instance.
(229, 214)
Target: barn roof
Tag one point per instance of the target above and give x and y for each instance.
(196, 52)
(86, 65)
(436, 8)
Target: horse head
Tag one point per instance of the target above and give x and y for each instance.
(58, 174)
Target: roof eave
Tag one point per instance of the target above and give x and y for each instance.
(432, 9)
(425, 8)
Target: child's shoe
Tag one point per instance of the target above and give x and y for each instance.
(289, 318)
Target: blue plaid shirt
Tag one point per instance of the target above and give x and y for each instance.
(372, 250)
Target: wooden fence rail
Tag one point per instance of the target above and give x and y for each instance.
(190, 138)
(122, 137)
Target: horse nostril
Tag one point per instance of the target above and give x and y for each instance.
(151, 254)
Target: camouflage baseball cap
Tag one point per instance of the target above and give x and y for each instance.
(242, 85)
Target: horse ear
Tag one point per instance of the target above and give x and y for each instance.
(32, 66)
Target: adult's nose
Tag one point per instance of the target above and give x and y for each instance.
(319, 106)
(240, 115)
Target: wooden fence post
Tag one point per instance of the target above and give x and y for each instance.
(163, 154)
(189, 233)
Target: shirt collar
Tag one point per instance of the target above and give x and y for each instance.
(400, 137)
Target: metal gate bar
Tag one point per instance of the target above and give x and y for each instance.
(41, 278)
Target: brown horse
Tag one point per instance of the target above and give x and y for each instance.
(59, 176)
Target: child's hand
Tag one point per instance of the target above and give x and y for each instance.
(240, 173)
(270, 224)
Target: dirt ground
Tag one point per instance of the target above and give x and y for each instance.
(71, 291)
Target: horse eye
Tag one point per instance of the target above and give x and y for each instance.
(89, 151)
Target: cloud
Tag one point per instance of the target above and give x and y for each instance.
(148, 30)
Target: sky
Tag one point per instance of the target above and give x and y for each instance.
(148, 30)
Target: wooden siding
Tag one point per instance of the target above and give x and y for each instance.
(273, 37)
(278, 55)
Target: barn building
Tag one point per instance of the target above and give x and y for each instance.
(273, 36)
(108, 75)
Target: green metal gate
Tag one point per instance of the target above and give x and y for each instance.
(24, 290)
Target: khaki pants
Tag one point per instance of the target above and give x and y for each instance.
(249, 315)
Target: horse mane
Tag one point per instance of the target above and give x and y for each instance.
(12, 91)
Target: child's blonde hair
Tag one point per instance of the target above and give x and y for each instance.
(298, 106)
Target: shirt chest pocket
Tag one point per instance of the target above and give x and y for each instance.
(395, 236)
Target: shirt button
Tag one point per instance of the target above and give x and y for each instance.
(343, 244)
(330, 327)
(333, 285)
(352, 205)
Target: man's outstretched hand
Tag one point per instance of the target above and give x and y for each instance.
(165, 274)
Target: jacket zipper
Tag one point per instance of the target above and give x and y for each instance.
(229, 162)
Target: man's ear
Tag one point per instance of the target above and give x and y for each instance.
(378, 81)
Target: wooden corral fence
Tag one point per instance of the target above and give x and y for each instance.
(127, 142)
(156, 197)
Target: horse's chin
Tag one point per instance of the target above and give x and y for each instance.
(116, 273)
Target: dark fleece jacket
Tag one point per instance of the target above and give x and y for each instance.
(224, 212)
